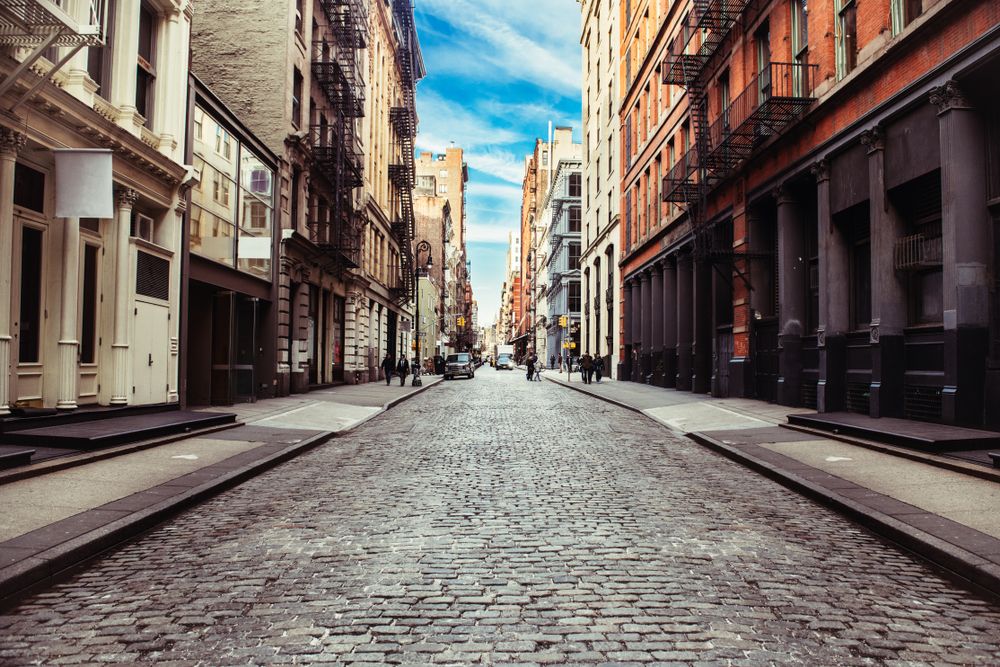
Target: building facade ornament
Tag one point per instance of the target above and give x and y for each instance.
(948, 97)
(127, 197)
(873, 139)
(11, 142)
(821, 170)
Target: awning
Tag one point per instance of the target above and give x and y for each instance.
(519, 338)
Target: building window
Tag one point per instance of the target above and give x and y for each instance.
(800, 46)
(574, 256)
(763, 41)
(903, 12)
(99, 58)
(88, 323)
(296, 97)
(199, 123)
(573, 300)
(846, 37)
(29, 188)
(223, 143)
(443, 189)
(574, 185)
(574, 218)
(298, 16)
(30, 316)
(145, 77)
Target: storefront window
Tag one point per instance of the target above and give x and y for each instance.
(232, 216)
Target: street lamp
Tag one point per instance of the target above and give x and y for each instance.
(423, 246)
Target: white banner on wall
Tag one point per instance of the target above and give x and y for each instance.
(84, 184)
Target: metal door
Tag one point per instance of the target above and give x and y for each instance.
(764, 350)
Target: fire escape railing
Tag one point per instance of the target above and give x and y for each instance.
(335, 145)
(403, 120)
(41, 24)
(774, 98)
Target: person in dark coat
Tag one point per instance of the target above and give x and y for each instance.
(402, 370)
(388, 366)
(586, 368)
(531, 367)
(598, 368)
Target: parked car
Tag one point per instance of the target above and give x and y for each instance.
(505, 362)
(459, 364)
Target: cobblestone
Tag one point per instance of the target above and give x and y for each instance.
(499, 522)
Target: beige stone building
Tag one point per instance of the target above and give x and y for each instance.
(601, 180)
(89, 307)
(328, 87)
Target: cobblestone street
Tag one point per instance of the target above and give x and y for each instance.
(496, 521)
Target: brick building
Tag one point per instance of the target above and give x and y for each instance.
(810, 203)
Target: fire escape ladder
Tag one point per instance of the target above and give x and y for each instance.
(403, 174)
(336, 152)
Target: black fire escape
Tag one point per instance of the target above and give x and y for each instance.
(336, 149)
(778, 94)
(404, 124)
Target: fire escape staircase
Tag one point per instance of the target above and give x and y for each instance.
(403, 174)
(42, 24)
(335, 148)
(775, 97)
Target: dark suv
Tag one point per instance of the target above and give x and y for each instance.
(459, 364)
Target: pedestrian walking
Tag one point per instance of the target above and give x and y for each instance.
(538, 371)
(598, 368)
(531, 367)
(388, 367)
(552, 361)
(586, 368)
(402, 370)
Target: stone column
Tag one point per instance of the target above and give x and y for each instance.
(646, 322)
(685, 324)
(889, 297)
(670, 322)
(656, 314)
(793, 284)
(121, 393)
(701, 382)
(625, 363)
(833, 299)
(10, 143)
(69, 346)
(636, 325)
(967, 247)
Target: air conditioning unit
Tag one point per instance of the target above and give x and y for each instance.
(142, 228)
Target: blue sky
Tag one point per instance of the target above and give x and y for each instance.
(497, 72)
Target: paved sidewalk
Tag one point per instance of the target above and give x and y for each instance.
(942, 508)
(57, 516)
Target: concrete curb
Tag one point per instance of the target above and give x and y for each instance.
(44, 567)
(977, 571)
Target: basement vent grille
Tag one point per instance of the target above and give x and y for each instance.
(152, 276)
(922, 402)
(857, 398)
(808, 395)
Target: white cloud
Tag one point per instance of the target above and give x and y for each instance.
(490, 233)
(521, 40)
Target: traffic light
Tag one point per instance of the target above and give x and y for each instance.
(563, 320)
(461, 321)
